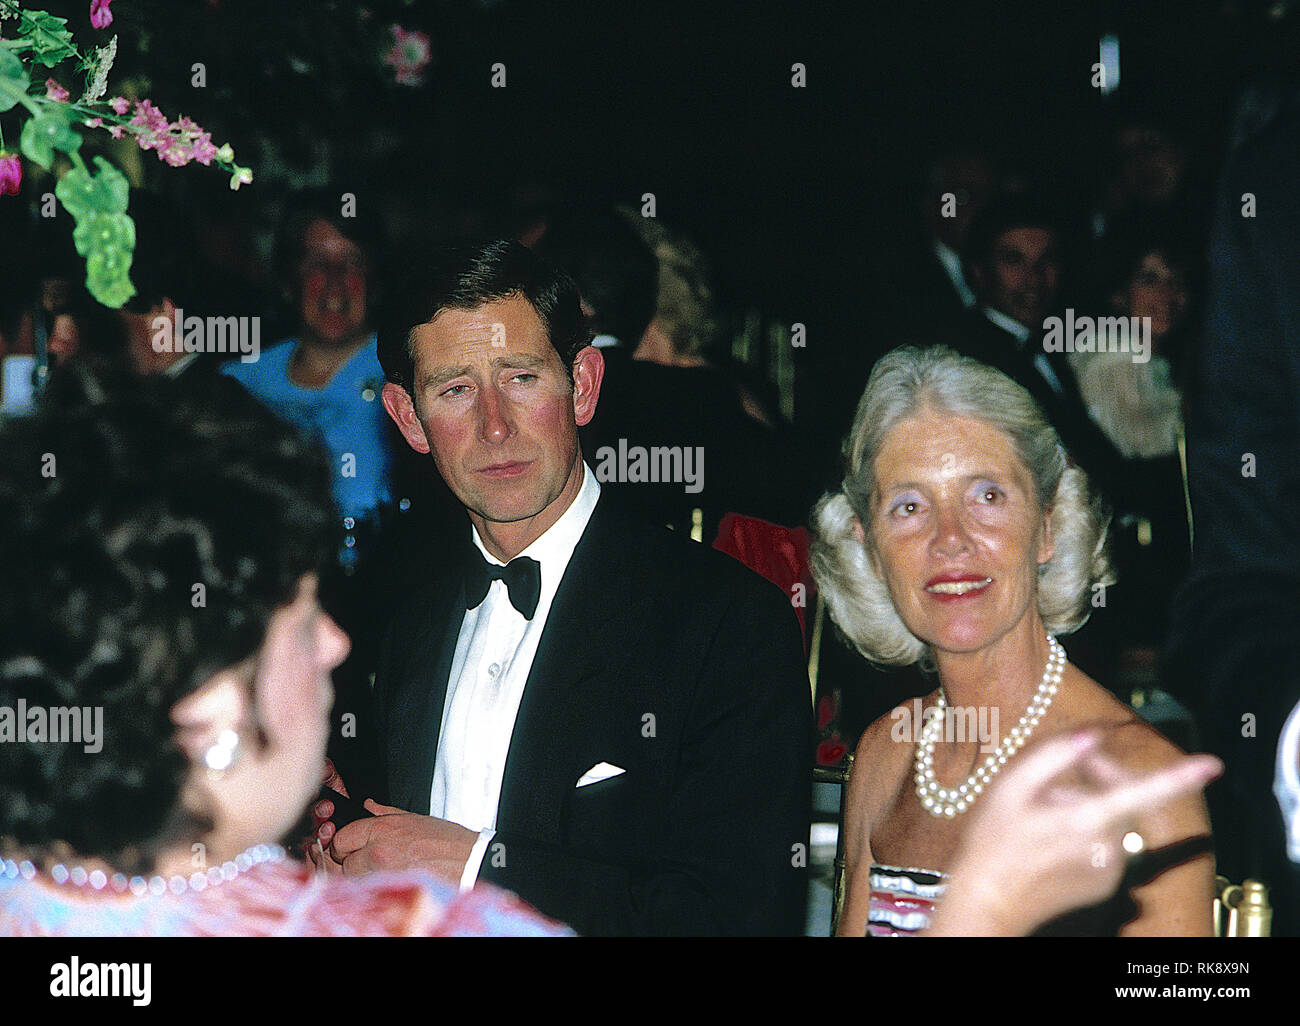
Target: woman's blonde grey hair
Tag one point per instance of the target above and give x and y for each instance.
(904, 384)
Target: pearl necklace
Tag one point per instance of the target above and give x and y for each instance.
(949, 801)
(156, 885)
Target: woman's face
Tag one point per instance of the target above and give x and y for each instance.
(957, 531)
(332, 278)
(1157, 291)
(271, 787)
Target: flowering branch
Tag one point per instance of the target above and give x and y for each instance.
(104, 234)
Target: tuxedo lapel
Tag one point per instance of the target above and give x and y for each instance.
(563, 687)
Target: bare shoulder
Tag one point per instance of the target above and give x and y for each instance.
(881, 761)
(1139, 748)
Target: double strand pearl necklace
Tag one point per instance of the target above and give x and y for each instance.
(949, 801)
(98, 880)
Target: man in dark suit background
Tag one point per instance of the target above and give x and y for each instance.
(1234, 647)
(1015, 261)
(596, 714)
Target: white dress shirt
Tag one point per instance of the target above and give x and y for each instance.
(950, 260)
(494, 655)
(1021, 334)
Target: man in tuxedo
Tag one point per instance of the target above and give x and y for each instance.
(596, 714)
(1014, 259)
(929, 293)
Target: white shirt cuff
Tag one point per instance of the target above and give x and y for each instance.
(475, 860)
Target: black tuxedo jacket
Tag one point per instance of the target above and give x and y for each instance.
(664, 658)
(1065, 410)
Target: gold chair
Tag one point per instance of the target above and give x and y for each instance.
(837, 775)
(1241, 911)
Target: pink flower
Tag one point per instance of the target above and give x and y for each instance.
(120, 104)
(411, 54)
(11, 174)
(100, 16)
(54, 91)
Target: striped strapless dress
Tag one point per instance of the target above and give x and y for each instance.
(902, 900)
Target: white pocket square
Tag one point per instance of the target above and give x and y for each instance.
(601, 771)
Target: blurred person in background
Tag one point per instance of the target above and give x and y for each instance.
(672, 393)
(326, 379)
(163, 271)
(1146, 270)
(1235, 634)
(930, 293)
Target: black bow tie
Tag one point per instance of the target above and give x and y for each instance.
(523, 577)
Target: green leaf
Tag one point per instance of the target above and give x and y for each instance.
(51, 41)
(81, 193)
(46, 132)
(107, 272)
(98, 231)
(13, 79)
(112, 292)
(11, 67)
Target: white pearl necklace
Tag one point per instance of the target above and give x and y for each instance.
(156, 885)
(949, 801)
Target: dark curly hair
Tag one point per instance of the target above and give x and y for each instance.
(118, 499)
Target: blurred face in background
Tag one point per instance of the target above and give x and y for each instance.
(1023, 276)
(1151, 166)
(332, 286)
(1158, 291)
(971, 181)
(65, 338)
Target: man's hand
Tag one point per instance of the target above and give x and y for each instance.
(396, 839)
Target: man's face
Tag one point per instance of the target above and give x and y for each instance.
(332, 285)
(493, 404)
(1024, 275)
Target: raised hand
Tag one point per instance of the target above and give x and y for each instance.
(1048, 838)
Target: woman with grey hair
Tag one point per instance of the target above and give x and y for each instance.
(963, 539)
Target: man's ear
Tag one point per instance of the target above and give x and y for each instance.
(397, 401)
(588, 374)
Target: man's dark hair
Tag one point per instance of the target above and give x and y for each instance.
(119, 497)
(616, 271)
(164, 262)
(467, 277)
(1006, 214)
